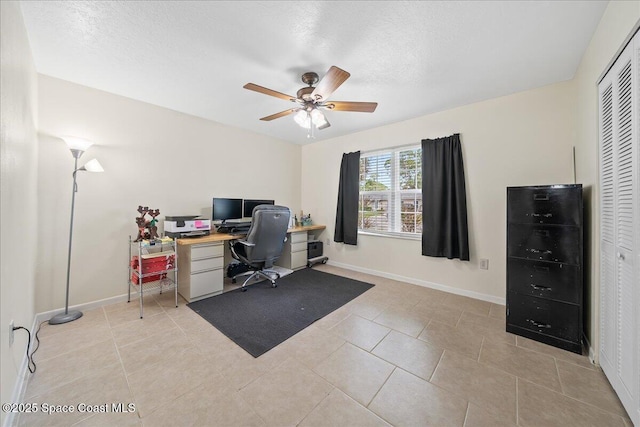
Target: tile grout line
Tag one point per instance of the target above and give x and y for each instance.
(591, 366)
(377, 392)
(124, 371)
(572, 398)
(466, 414)
(318, 404)
(517, 401)
(481, 347)
(555, 362)
(436, 368)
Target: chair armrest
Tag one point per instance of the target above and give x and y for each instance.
(232, 248)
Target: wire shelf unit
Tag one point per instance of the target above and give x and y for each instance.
(153, 266)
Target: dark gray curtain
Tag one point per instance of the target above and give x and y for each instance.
(348, 193)
(444, 201)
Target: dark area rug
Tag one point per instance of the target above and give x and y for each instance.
(263, 317)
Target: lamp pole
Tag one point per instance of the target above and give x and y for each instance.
(69, 316)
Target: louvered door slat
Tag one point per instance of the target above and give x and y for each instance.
(626, 322)
(607, 191)
(608, 306)
(624, 146)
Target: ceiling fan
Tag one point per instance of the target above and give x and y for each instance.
(312, 100)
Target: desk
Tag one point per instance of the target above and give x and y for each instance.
(202, 260)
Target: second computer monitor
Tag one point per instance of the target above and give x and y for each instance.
(250, 204)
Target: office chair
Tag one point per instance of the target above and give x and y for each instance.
(263, 244)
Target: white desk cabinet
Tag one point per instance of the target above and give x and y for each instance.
(294, 254)
(200, 270)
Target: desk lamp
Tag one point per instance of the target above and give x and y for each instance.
(77, 146)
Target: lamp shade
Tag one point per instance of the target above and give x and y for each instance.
(93, 165)
(75, 143)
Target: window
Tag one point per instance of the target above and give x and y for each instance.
(391, 192)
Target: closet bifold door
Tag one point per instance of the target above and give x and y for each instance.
(619, 94)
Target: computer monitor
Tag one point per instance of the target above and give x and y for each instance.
(224, 209)
(250, 204)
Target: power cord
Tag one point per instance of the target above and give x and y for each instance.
(30, 361)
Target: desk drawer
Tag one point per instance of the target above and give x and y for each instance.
(299, 237)
(206, 264)
(207, 251)
(298, 259)
(297, 247)
(206, 282)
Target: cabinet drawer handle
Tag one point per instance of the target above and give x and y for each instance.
(541, 196)
(543, 233)
(540, 288)
(538, 324)
(540, 268)
(538, 251)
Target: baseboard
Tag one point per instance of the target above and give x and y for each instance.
(46, 315)
(424, 283)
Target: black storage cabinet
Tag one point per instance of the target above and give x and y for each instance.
(545, 264)
(314, 249)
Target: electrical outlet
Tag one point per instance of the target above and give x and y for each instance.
(484, 264)
(11, 333)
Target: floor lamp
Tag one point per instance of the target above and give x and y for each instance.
(77, 146)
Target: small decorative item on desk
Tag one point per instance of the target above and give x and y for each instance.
(147, 229)
(306, 220)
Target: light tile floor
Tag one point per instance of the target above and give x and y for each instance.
(397, 355)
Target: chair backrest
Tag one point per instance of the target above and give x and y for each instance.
(269, 224)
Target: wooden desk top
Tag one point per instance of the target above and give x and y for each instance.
(223, 237)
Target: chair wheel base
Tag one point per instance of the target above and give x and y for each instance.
(244, 289)
(274, 284)
(233, 280)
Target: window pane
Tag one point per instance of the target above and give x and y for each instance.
(375, 212)
(377, 173)
(408, 223)
(408, 169)
(408, 203)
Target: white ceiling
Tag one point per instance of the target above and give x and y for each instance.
(413, 58)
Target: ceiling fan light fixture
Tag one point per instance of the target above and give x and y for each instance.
(303, 119)
(319, 120)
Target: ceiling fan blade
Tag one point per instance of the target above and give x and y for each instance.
(362, 107)
(266, 91)
(280, 114)
(329, 83)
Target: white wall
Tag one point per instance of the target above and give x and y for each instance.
(616, 24)
(153, 157)
(18, 180)
(520, 139)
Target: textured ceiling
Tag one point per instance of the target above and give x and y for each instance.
(413, 58)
